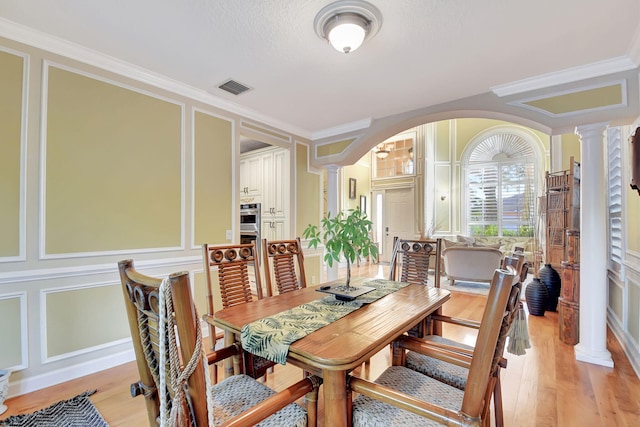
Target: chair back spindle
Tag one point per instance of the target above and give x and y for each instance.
(284, 264)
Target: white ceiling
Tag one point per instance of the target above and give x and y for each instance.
(429, 54)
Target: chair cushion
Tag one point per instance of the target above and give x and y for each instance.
(241, 392)
(371, 412)
(446, 372)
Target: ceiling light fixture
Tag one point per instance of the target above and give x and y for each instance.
(346, 24)
(382, 151)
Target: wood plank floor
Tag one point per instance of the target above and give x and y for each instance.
(545, 387)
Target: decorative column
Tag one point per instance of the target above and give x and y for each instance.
(332, 206)
(592, 347)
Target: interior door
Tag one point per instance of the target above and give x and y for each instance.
(398, 218)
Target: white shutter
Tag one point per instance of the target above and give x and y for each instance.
(614, 197)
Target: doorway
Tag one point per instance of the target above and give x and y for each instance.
(393, 214)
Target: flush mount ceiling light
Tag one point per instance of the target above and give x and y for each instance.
(346, 24)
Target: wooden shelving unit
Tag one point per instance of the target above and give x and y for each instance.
(562, 211)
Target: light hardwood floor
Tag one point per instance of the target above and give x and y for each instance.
(545, 387)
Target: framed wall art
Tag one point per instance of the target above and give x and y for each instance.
(352, 188)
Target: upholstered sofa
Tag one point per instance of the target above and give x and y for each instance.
(472, 264)
(506, 244)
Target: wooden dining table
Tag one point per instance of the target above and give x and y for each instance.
(335, 349)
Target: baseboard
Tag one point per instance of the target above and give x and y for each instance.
(48, 379)
(628, 346)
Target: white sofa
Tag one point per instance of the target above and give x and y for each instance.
(471, 264)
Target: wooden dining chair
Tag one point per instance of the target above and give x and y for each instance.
(403, 395)
(453, 374)
(236, 267)
(238, 400)
(410, 260)
(284, 265)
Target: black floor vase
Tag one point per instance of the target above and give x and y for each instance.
(551, 279)
(537, 297)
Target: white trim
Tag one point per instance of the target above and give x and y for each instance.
(345, 128)
(22, 209)
(68, 373)
(43, 162)
(596, 69)
(55, 45)
(629, 346)
(36, 275)
(269, 134)
(522, 103)
(44, 356)
(24, 331)
(340, 155)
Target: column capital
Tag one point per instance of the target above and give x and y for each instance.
(591, 130)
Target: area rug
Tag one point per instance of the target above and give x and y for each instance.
(75, 412)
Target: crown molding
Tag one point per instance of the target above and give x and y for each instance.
(56, 45)
(596, 69)
(342, 129)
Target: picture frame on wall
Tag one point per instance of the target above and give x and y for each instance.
(352, 188)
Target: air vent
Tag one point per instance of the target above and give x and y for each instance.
(234, 87)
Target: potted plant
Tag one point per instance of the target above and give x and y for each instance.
(343, 235)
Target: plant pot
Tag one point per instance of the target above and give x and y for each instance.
(551, 279)
(4, 389)
(537, 297)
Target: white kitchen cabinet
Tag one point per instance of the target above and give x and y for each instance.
(275, 194)
(250, 176)
(264, 178)
(273, 229)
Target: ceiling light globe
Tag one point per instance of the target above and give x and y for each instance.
(347, 24)
(346, 37)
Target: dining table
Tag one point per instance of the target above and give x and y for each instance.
(344, 344)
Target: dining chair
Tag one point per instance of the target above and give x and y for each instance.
(451, 373)
(284, 264)
(236, 265)
(410, 263)
(403, 395)
(172, 366)
(410, 260)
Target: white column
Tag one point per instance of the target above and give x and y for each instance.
(592, 347)
(556, 153)
(332, 207)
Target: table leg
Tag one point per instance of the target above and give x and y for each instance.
(437, 325)
(335, 398)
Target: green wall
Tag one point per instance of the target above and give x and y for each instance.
(213, 178)
(11, 103)
(113, 167)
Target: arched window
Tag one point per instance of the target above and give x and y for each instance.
(500, 186)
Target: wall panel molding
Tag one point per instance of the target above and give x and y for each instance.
(22, 211)
(24, 336)
(44, 252)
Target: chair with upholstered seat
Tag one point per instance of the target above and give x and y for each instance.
(403, 395)
(451, 373)
(284, 265)
(237, 266)
(172, 365)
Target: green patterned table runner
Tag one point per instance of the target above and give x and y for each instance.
(271, 337)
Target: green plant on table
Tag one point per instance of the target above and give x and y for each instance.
(344, 234)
